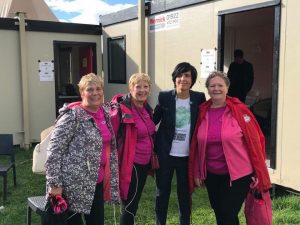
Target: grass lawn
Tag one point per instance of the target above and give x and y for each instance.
(286, 208)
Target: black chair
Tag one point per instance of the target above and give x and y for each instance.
(7, 150)
(36, 204)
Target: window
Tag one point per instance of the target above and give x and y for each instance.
(72, 60)
(116, 60)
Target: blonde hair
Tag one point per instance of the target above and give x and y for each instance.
(217, 74)
(88, 79)
(136, 77)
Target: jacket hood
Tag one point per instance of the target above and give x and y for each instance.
(73, 104)
(67, 106)
(119, 98)
(233, 100)
(125, 101)
(75, 109)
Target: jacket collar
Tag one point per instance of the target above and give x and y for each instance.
(192, 95)
(124, 100)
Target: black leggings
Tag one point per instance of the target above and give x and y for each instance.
(96, 217)
(226, 199)
(130, 206)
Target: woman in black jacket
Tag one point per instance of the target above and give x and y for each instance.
(176, 112)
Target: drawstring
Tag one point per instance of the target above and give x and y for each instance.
(71, 216)
(125, 208)
(115, 219)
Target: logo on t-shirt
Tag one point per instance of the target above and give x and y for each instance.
(182, 123)
(182, 117)
(180, 144)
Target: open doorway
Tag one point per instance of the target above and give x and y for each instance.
(72, 60)
(256, 32)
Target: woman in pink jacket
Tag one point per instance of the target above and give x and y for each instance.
(131, 117)
(227, 150)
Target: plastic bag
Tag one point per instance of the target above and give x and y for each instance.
(258, 208)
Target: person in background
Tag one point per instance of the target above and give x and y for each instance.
(240, 74)
(227, 151)
(83, 164)
(132, 121)
(176, 112)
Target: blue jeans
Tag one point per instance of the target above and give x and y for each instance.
(163, 189)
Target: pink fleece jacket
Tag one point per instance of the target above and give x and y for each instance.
(235, 151)
(253, 136)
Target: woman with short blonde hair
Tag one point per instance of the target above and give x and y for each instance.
(134, 78)
(82, 163)
(88, 79)
(132, 121)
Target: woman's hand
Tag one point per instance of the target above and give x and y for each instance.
(55, 191)
(198, 182)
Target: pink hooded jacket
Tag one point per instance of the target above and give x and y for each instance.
(126, 135)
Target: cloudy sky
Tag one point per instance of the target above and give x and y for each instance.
(86, 11)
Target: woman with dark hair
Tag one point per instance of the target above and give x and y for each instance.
(176, 112)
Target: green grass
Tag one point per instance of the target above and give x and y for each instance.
(28, 184)
(286, 207)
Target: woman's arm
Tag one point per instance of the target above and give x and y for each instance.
(157, 115)
(55, 190)
(62, 134)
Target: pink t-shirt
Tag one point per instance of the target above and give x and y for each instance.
(106, 139)
(143, 144)
(215, 158)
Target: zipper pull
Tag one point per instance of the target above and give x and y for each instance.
(88, 165)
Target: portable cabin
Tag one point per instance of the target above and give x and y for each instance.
(154, 37)
(41, 62)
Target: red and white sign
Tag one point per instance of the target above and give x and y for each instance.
(164, 21)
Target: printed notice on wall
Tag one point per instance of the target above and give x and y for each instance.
(164, 21)
(46, 71)
(208, 62)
